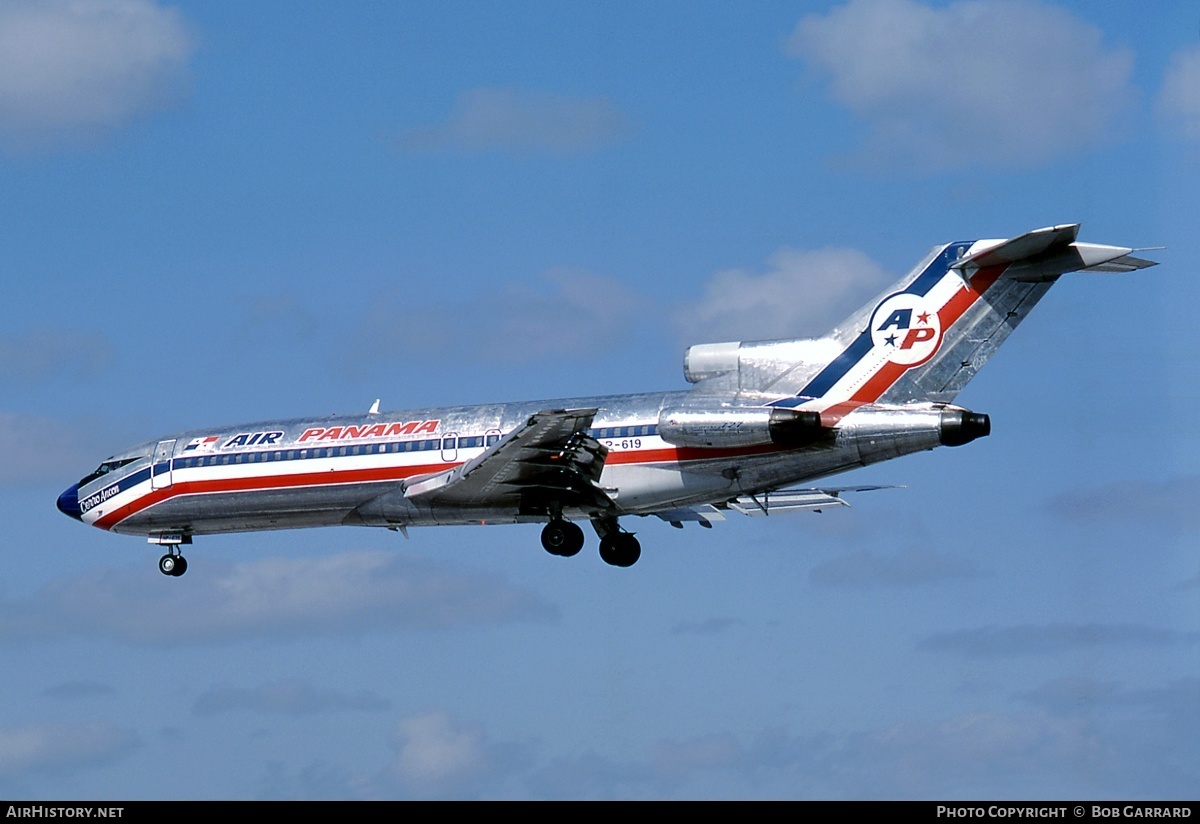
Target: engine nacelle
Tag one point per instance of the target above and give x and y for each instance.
(717, 427)
(958, 426)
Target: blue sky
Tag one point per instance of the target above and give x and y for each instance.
(216, 213)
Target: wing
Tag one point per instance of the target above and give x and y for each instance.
(766, 503)
(548, 462)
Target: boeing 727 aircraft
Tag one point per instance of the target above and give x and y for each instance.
(760, 418)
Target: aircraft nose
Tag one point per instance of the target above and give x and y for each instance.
(68, 503)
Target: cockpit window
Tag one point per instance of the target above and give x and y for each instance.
(105, 468)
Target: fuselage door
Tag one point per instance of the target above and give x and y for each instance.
(160, 470)
(450, 446)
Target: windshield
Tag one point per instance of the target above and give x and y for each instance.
(105, 468)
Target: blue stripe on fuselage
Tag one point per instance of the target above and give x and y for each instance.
(294, 452)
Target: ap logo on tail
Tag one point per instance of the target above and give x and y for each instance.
(906, 329)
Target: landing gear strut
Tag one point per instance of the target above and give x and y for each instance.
(561, 537)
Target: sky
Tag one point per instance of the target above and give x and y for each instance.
(220, 212)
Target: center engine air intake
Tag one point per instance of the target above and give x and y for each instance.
(738, 427)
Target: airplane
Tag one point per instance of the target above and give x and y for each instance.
(759, 419)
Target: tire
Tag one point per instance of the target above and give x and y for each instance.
(574, 541)
(620, 550)
(555, 537)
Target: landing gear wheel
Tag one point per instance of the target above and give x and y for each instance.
(562, 538)
(173, 565)
(620, 549)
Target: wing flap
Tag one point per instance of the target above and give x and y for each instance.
(789, 500)
(766, 503)
(548, 461)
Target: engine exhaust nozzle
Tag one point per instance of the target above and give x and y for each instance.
(958, 426)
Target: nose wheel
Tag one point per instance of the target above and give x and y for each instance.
(172, 564)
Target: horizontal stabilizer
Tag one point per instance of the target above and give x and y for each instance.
(1125, 263)
(1029, 245)
(1044, 254)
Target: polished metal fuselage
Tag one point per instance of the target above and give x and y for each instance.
(352, 469)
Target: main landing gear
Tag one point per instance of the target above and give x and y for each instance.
(620, 549)
(617, 547)
(563, 538)
(173, 563)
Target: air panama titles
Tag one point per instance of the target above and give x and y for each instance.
(332, 433)
(378, 430)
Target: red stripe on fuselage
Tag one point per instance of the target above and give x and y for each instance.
(335, 477)
(340, 477)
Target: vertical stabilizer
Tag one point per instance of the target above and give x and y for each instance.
(920, 341)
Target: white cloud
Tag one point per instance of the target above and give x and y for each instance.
(905, 568)
(676, 759)
(569, 313)
(435, 747)
(79, 690)
(70, 68)
(975, 754)
(1170, 502)
(709, 626)
(37, 449)
(44, 353)
(522, 121)
(1179, 97)
(986, 82)
(288, 697)
(801, 294)
(349, 592)
(441, 756)
(1054, 639)
(60, 747)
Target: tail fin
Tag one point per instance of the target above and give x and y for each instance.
(923, 339)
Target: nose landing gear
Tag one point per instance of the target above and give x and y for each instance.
(173, 563)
